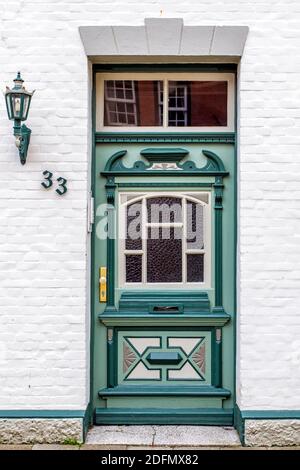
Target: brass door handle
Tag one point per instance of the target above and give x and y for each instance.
(102, 284)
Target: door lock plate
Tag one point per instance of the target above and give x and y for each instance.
(102, 284)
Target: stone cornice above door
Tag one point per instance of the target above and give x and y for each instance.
(165, 37)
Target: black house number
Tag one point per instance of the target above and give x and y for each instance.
(62, 188)
(48, 182)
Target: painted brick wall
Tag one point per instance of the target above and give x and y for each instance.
(43, 300)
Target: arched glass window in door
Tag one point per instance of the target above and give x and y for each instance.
(164, 239)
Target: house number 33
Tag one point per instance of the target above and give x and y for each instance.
(48, 182)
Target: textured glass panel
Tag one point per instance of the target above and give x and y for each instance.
(134, 226)
(164, 209)
(195, 268)
(197, 103)
(133, 268)
(164, 255)
(194, 229)
(132, 103)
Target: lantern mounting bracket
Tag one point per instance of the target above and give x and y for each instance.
(22, 135)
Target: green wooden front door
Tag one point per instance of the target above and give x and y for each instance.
(164, 245)
(164, 332)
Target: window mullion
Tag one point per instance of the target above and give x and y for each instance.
(144, 241)
(164, 224)
(165, 103)
(122, 233)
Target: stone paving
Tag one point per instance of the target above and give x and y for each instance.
(100, 447)
(163, 436)
(153, 438)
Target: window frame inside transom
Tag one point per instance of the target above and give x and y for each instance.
(128, 198)
(165, 77)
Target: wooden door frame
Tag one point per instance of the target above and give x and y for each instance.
(163, 137)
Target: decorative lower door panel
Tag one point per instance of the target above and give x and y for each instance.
(163, 326)
(164, 358)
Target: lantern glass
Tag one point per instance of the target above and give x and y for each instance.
(9, 106)
(26, 104)
(17, 105)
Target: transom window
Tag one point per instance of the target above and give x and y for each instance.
(164, 239)
(153, 101)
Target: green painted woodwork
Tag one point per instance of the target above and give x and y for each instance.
(217, 357)
(110, 192)
(270, 414)
(136, 308)
(164, 154)
(164, 357)
(165, 137)
(239, 423)
(113, 319)
(182, 183)
(151, 390)
(211, 319)
(163, 402)
(87, 419)
(139, 302)
(165, 184)
(111, 375)
(218, 186)
(205, 416)
(164, 335)
(43, 414)
(213, 167)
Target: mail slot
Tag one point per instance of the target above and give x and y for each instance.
(166, 309)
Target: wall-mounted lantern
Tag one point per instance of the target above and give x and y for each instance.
(17, 103)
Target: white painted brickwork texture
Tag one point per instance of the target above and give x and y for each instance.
(43, 300)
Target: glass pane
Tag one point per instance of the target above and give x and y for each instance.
(133, 103)
(194, 229)
(134, 226)
(133, 268)
(197, 103)
(164, 209)
(195, 268)
(164, 255)
(16, 102)
(9, 106)
(25, 106)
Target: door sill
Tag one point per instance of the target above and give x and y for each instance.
(189, 391)
(204, 416)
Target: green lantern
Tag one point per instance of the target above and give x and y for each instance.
(17, 104)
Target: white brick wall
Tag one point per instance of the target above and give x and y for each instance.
(43, 290)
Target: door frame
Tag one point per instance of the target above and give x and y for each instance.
(163, 137)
